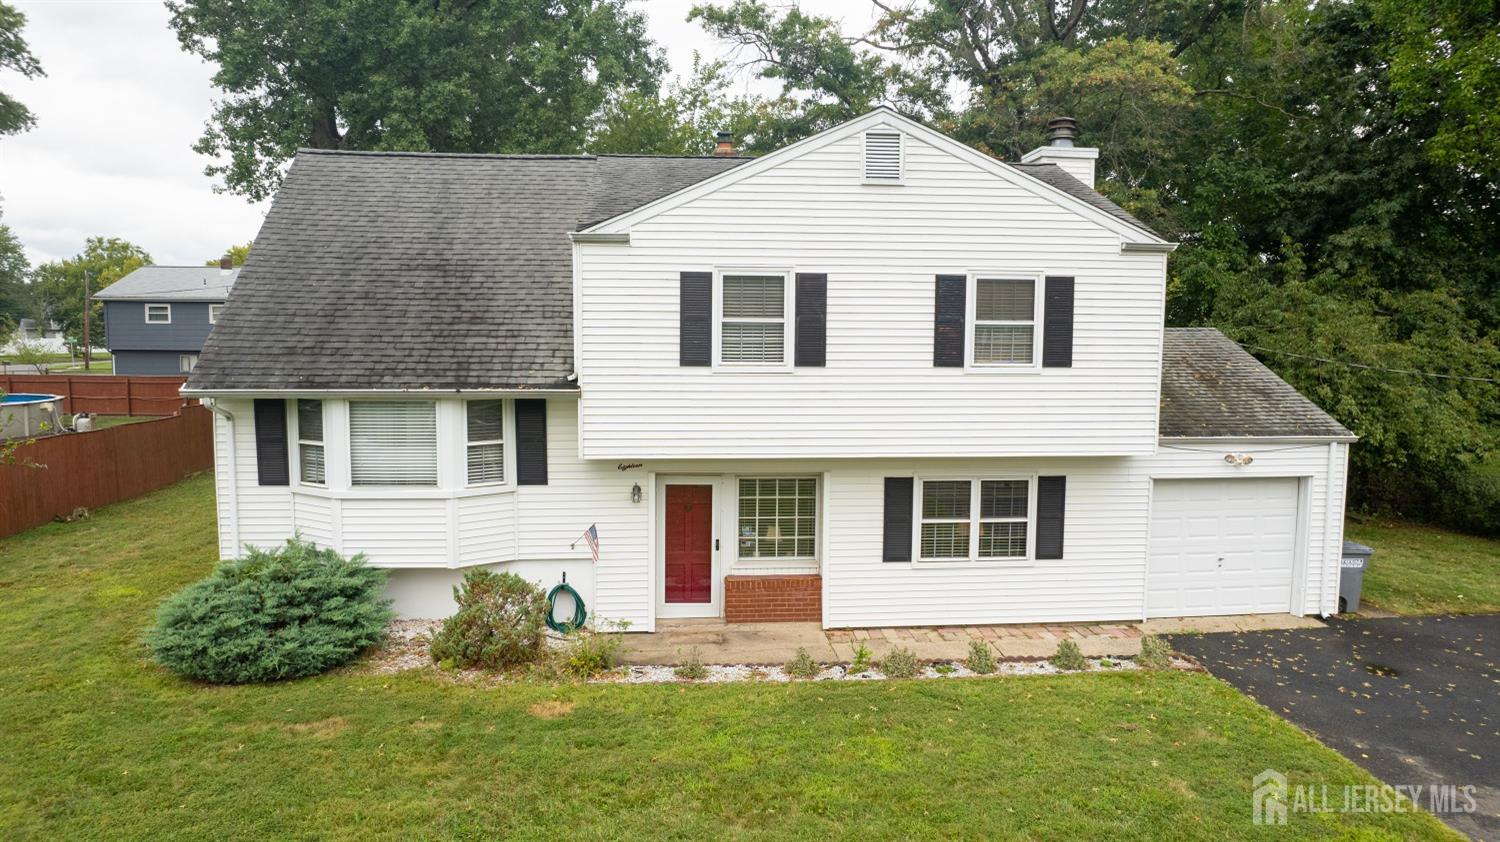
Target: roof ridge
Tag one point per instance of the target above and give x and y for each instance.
(379, 153)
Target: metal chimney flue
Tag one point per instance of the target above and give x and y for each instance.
(1061, 131)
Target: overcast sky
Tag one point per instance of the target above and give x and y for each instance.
(121, 106)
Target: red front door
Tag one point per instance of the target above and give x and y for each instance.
(689, 543)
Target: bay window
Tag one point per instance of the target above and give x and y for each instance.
(393, 443)
(310, 462)
(485, 443)
(974, 520)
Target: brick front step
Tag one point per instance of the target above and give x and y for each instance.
(773, 599)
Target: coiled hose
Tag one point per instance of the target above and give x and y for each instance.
(580, 615)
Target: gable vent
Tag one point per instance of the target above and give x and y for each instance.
(883, 156)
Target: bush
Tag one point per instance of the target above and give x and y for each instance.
(1156, 654)
(900, 663)
(500, 622)
(981, 658)
(863, 659)
(692, 667)
(285, 613)
(589, 652)
(802, 666)
(1069, 657)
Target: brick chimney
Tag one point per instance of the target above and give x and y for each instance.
(724, 147)
(226, 263)
(1077, 161)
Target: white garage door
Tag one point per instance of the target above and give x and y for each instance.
(1221, 547)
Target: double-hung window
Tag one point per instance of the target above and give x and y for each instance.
(310, 464)
(485, 445)
(753, 321)
(974, 520)
(158, 314)
(778, 518)
(1004, 321)
(393, 443)
(214, 310)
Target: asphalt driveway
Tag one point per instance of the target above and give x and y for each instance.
(1415, 700)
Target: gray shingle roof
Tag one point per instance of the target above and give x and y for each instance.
(402, 270)
(1211, 387)
(1055, 176)
(171, 283)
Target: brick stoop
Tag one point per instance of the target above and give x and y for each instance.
(773, 599)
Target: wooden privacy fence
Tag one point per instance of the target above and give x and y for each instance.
(104, 466)
(104, 394)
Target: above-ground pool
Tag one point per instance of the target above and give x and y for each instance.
(23, 414)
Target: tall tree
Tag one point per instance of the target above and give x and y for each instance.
(59, 284)
(16, 301)
(443, 75)
(15, 55)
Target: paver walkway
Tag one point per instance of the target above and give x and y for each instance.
(717, 642)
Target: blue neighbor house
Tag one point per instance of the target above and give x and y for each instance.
(157, 317)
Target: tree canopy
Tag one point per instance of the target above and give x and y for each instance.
(59, 284)
(16, 56)
(16, 301)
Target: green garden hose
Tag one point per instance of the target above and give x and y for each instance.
(579, 614)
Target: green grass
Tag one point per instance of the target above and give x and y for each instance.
(1426, 570)
(49, 359)
(99, 743)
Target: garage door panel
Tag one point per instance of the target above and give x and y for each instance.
(1221, 547)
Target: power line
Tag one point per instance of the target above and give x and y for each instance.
(1248, 346)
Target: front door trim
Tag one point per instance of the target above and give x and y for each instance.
(715, 606)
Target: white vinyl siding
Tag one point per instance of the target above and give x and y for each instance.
(883, 157)
(879, 396)
(778, 518)
(485, 446)
(753, 319)
(954, 513)
(1004, 321)
(393, 443)
(311, 468)
(158, 314)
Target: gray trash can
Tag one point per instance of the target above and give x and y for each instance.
(1352, 575)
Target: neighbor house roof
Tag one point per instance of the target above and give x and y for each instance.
(1211, 387)
(423, 271)
(171, 283)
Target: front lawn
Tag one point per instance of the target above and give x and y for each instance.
(98, 743)
(1420, 569)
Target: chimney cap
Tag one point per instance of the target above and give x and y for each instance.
(1061, 131)
(724, 145)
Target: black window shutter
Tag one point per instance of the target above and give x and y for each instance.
(898, 507)
(531, 441)
(949, 314)
(696, 319)
(1057, 323)
(812, 319)
(1051, 503)
(271, 464)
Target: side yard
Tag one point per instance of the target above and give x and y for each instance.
(100, 743)
(1425, 570)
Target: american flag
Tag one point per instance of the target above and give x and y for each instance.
(591, 535)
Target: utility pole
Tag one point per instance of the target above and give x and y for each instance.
(87, 312)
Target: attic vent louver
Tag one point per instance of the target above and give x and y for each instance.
(883, 157)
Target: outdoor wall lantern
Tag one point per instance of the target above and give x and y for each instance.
(635, 493)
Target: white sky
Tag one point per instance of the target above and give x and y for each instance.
(122, 104)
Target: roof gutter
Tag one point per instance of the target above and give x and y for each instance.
(1348, 437)
(594, 238)
(340, 393)
(1147, 248)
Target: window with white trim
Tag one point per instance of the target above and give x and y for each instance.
(213, 313)
(186, 363)
(954, 512)
(485, 443)
(778, 518)
(158, 314)
(310, 464)
(393, 443)
(1004, 321)
(752, 326)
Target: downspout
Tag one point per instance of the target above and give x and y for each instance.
(230, 477)
(1330, 547)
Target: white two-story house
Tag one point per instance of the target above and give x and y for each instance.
(874, 378)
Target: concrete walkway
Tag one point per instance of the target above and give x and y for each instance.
(718, 642)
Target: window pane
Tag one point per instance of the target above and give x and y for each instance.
(486, 463)
(486, 420)
(778, 518)
(947, 499)
(312, 463)
(945, 540)
(1002, 540)
(1005, 301)
(753, 342)
(393, 442)
(1002, 498)
(310, 420)
(754, 297)
(1002, 343)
